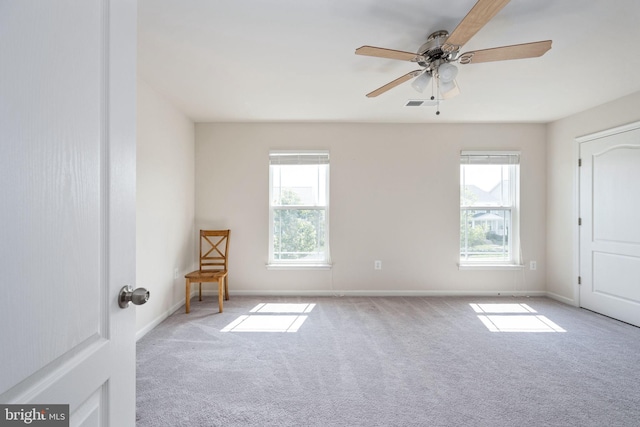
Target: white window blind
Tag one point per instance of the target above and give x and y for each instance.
(475, 158)
(284, 158)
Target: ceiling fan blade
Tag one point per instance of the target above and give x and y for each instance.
(381, 52)
(518, 51)
(478, 16)
(394, 83)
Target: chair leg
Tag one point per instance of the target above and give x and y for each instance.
(188, 296)
(200, 291)
(220, 294)
(226, 288)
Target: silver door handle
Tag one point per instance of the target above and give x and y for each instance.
(128, 295)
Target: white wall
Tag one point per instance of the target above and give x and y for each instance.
(394, 197)
(164, 205)
(562, 211)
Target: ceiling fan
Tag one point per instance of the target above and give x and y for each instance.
(441, 50)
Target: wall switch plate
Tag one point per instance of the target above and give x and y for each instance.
(377, 265)
(175, 273)
(533, 265)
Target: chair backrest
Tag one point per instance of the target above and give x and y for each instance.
(214, 249)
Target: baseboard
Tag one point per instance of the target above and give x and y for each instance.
(562, 299)
(142, 332)
(386, 293)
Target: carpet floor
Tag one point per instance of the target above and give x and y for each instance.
(388, 361)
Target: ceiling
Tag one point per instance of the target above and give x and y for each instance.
(294, 61)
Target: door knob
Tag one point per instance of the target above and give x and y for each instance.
(128, 295)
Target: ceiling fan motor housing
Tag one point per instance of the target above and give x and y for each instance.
(432, 50)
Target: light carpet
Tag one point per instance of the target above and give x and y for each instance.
(388, 361)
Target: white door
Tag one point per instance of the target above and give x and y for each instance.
(610, 230)
(67, 206)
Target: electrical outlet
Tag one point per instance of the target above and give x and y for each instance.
(175, 273)
(533, 265)
(377, 265)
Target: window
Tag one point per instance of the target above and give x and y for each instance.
(489, 199)
(299, 209)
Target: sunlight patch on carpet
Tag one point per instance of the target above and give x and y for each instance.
(502, 308)
(519, 324)
(282, 308)
(513, 318)
(269, 317)
(276, 323)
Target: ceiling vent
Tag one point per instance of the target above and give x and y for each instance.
(421, 103)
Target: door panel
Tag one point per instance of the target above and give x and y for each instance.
(67, 236)
(614, 275)
(610, 235)
(615, 174)
(51, 235)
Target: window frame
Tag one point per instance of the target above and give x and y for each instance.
(513, 160)
(292, 264)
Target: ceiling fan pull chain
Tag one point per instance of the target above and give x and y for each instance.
(433, 83)
(438, 100)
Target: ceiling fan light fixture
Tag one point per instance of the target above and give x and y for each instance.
(448, 89)
(446, 86)
(447, 72)
(421, 82)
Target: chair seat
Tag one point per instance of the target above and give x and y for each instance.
(206, 274)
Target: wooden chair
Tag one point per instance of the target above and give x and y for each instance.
(214, 250)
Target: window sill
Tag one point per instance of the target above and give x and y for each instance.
(319, 266)
(490, 266)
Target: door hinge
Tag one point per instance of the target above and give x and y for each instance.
(579, 221)
(579, 162)
(579, 280)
